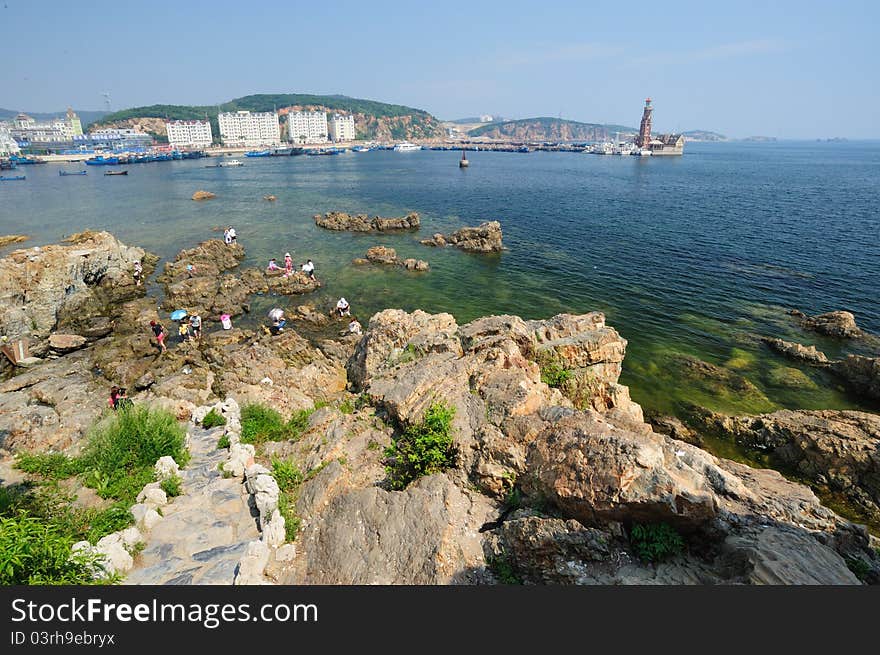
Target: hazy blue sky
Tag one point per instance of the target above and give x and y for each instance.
(786, 69)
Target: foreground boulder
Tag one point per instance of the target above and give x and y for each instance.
(362, 223)
(66, 286)
(486, 237)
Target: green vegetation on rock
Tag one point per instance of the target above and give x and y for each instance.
(655, 542)
(260, 424)
(213, 419)
(423, 448)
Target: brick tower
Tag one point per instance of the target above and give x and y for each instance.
(644, 137)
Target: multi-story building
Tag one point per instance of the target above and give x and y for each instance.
(189, 134)
(114, 139)
(8, 146)
(307, 127)
(26, 130)
(341, 128)
(73, 123)
(243, 128)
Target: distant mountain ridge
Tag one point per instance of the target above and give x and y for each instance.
(85, 115)
(373, 119)
(704, 135)
(549, 129)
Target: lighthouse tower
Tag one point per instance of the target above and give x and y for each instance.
(644, 137)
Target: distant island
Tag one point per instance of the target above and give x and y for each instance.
(549, 129)
(760, 139)
(704, 135)
(373, 120)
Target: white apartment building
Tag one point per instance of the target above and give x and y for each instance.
(189, 134)
(8, 146)
(307, 127)
(243, 128)
(341, 128)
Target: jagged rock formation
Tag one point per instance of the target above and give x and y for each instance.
(486, 237)
(833, 324)
(341, 221)
(8, 240)
(388, 256)
(834, 449)
(71, 286)
(797, 351)
(861, 374)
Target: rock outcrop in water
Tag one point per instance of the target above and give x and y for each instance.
(833, 324)
(203, 195)
(797, 351)
(861, 374)
(8, 240)
(388, 256)
(486, 237)
(340, 221)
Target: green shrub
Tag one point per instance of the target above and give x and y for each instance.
(51, 466)
(502, 566)
(423, 448)
(34, 552)
(100, 523)
(213, 419)
(286, 474)
(223, 442)
(553, 374)
(122, 448)
(260, 424)
(347, 406)
(172, 486)
(292, 522)
(859, 567)
(655, 542)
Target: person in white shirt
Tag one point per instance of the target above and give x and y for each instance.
(231, 235)
(355, 326)
(309, 269)
(342, 307)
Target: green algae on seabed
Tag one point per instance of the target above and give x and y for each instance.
(788, 377)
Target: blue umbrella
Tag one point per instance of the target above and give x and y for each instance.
(178, 314)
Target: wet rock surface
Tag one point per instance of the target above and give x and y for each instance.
(486, 237)
(833, 324)
(388, 256)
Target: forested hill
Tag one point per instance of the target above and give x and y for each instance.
(373, 120)
(549, 129)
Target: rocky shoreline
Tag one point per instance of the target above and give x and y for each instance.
(555, 477)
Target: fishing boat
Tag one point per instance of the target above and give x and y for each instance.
(604, 148)
(258, 153)
(360, 149)
(18, 159)
(231, 162)
(6, 165)
(523, 149)
(406, 146)
(463, 162)
(101, 160)
(12, 178)
(115, 172)
(66, 173)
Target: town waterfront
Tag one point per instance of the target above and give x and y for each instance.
(693, 256)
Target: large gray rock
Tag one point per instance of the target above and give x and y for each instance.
(833, 324)
(66, 286)
(486, 237)
(362, 223)
(861, 374)
(797, 351)
(427, 534)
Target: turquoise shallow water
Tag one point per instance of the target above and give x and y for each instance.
(694, 255)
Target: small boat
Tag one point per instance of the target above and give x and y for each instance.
(463, 162)
(231, 162)
(258, 153)
(406, 146)
(18, 159)
(360, 149)
(12, 178)
(523, 149)
(66, 173)
(115, 172)
(100, 160)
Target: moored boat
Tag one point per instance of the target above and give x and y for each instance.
(258, 153)
(66, 173)
(231, 162)
(101, 160)
(115, 172)
(18, 159)
(406, 146)
(13, 178)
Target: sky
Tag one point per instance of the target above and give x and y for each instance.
(790, 70)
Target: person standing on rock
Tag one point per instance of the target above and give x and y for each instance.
(309, 269)
(138, 272)
(159, 331)
(195, 323)
(288, 264)
(230, 234)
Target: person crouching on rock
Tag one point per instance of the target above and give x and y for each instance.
(309, 269)
(342, 308)
(195, 324)
(183, 331)
(114, 396)
(159, 331)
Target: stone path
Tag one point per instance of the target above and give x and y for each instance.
(205, 530)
